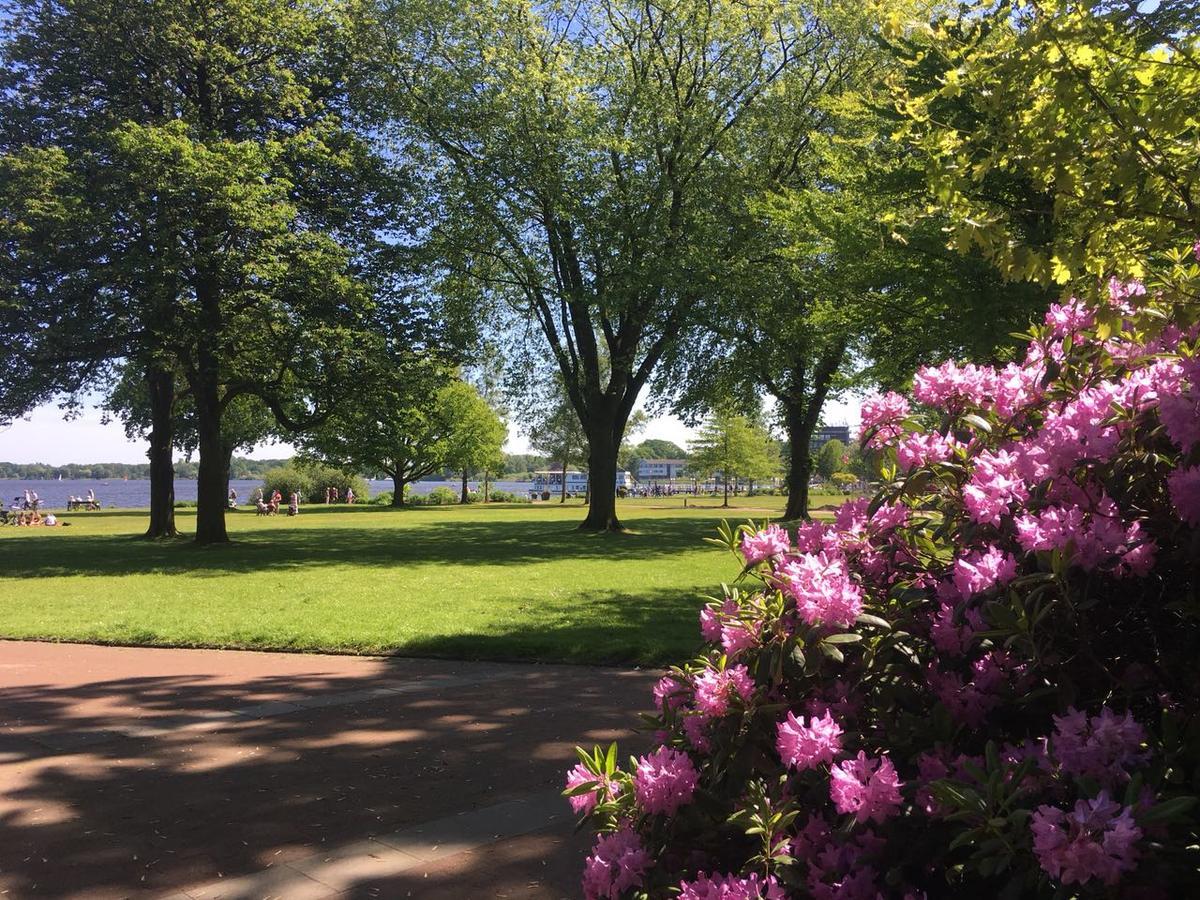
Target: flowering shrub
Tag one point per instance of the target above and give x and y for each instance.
(984, 679)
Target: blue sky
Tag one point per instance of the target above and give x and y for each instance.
(44, 437)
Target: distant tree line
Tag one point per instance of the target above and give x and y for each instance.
(239, 468)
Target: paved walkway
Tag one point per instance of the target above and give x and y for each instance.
(213, 774)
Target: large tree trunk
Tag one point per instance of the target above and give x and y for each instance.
(161, 385)
(602, 479)
(465, 492)
(562, 494)
(398, 486)
(799, 431)
(212, 483)
(725, 478)
(212, 479)
(801, 413)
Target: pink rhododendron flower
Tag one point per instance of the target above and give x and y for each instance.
(889, 516)
(1098, 839)
(1071, 316)
(806, 747)
(1102, 747)
(710, 619)
(1017, 387)
(822, 589)
(585, 803)
(1051, 529)
(1120, 291)
(950, 384)
(916, 449)
(731, 887)
(695, 729)
(851, 516)
(966, 701)
(738, 636)
(618, 863)
(978, 571)
(952, 637)
(810, 839)
(1180, 416)
(771, 541)
(715, 688)
(994, 484)
(868, 788)
(1184, 487)
(885, 412)
(668, 690)
(930, 767)
(664, 781)
(815, 537)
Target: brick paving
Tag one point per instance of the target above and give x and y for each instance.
(131, 772)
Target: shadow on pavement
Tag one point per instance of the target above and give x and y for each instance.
(89, 812)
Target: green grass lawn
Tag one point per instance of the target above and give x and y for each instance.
(498, 582)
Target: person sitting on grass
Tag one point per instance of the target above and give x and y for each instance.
(294, 504)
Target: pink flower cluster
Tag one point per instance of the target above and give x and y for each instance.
(1096, 840)
(1103, 747)
(585, 803)
(806, 747)
(715, 688)
(822, 588)
(771, 541)
(980, 571)
(664, 781)
(868, 788)
(917, 449)
(884, 412)
(995, 485)
(952, 385)
(617, 863)
(1069, 317)
(904, 658)
(1184, 487)
(731, 887)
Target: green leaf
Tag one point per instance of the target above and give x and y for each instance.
(848, 637)
(868, 619)
(978, 422)
(1167, 810)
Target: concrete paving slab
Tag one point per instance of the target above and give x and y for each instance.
(160, 784)
(277, 883)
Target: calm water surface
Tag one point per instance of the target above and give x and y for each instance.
(136, 492)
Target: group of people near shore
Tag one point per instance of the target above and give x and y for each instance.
(86, 502)
(333, 495)
(24, 511)
(268, 506)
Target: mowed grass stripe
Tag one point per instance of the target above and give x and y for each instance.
(495, 582)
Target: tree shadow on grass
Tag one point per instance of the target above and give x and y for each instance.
(88, 810)
(499, 542)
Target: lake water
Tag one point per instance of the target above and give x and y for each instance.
(136, 492)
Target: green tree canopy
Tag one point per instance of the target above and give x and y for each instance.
(832, 457)
(1090, 102)
(735, 447)
(555, 431)
(180, 189)
(405, 424)
(476, 439)
(576, 155)
(827, 294)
